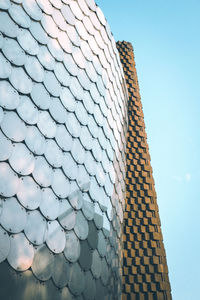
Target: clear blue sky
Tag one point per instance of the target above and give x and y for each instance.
(166, 40)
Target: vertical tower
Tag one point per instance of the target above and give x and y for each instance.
(145, 273)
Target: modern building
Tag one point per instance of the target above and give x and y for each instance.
(78, 212)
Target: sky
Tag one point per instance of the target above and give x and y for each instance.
(166, 40)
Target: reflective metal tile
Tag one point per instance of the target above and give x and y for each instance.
(36, 227)
(55, 49)
(70, 166)
(62, 74)
(7, 26)
(68, 100)
(1, 114)
(42, 172)
(43, 263)
(76, 279)
(5, 147)
(26, 110)
(60, 184)
(63, 138)
(73, 35)
(78, 152)
(13, 52)
(100, 174)
(46, 124)
(46, 6)
(27, 42)
(93, 127)
(65, 42)
(67, 215)
(56, 239)
(5, 67)
(32, 9)
(13, 217)
(84, 7)
(88, 207)
(81, 113)
(100, 16)
(38, 32)
(46, 59)
(72, 247)
(34, 69)
(52, 84)
(19, 16)
(90, 286)
(76, 199)
(76, 10)
(40, 96)
(9, 97)
(83, 177)
(101, 247)
(78, 57)
(20, 80)
(88, 102)
(102, 139)
(76, 88)
(21, 252)
(59, 19)
(8, 180)
(98, 115)
(49, 205)
(61, 271)
(65, 293)
(4, 244)
(97, 64)
(68, 14)
(73, 125)
(81, 227)
(81, 31)
(106, 225)
(53, 153)
(13, 127)
(97, 150)
(84, 80)
(56, 3)
(35, 140)
(96, 264)
(88, 25)
(21, 159)
(90, 163)
(98, 216)
(70, 65)
(93, 45)
(5, 4)
(85, 258)
(91, 72)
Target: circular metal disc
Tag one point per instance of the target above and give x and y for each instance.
(101, 247)
(27, 42)
(49, 205)
(98, 216)
(40, 96)
(5, 147)
(68, 100)
(5, 4)
(46, 124)
(61, 271)
(105, 272)
(68, 14)
(5, 67)
(8, 181)
(96, 264)
(65, 41)
(76, 279)
(81, 227)
(85, 258)
(34, 68)
(21, 252)
(4, 244)
(79, 58)
(49, 26)
(90, 286)
(93, 127)
(62, 74)
(70, 64)
(73, 125)
(63, 138)
(39, 33)
(57, 110)
(82, 32)
(46, 6)
(7, 26)
(43, 263)
(81, 113)
(19, 16)
(83, 178)
(32, 9)
(29, 193)
(76, 88)
(97, 150)
(72, 247)
(13, 127)
(53, 154)
(86, 138)
(83, 79)
(13, 216)
(59, 19)
(60, 184)
(20, 80)
(46, 59)
(93, 235)
(76, 199)
(90, 163)
(88, 209)
(67, 215)
(70, 166)
(36, 228)
(88, 24)
(56, 239)
(42, 173)
(27, 111)
(55, 49)
(21, 159)
(14, 53)
(35, 140)
(78, 152)
(52, 84)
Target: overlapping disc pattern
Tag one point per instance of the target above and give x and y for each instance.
(63, 123)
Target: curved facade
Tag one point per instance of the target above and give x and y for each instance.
(63, 124)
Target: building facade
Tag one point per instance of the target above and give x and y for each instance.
(74, 194)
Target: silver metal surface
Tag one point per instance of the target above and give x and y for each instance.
(63, 138)
(78, 152)
(43, 263)
(56, 239)
(46, 124)
(101, 247)
(5, 147)
(35, 140)
(8, 180)
(81, 227)
(53, 153)
(38, 32)
(60, 184)
(62, 74)
(81, 113)
(61, 271)
(72, 247)
(4, 244)
(32, 9)
(40, 96)
(65, 42)
(19, 16)
(83, 177)
(42, 173)
(90, 286)
(96, 264)
(52, 84)
(34, 69)
(67, 215)
(57, 110)
(73, 124)
(49, 205)
(5, 67)
(70, 64)
(20, 80)
(76, 88)
(82, 32)
(73, 35)
(26, 109)
(8, 26)
(21, 252)
(46, 6)
(68, 15)
(76, 200)
(29, 193)
(55, 49)
(36, 228)
(27, 42)
(13, 52)
(49, 26)
(76, 279)
(59, 19)
(68, 100)
(85, 258)
(86, 138)
(46, 58)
